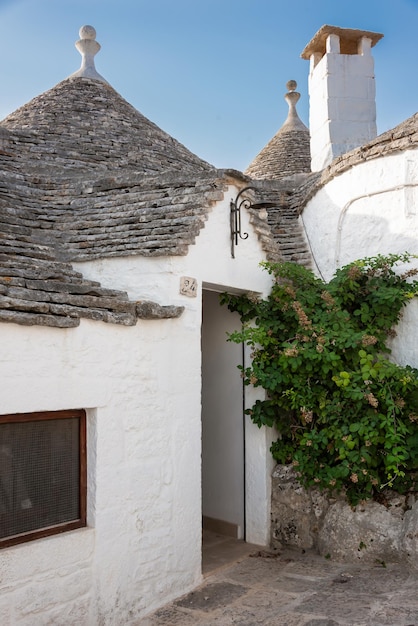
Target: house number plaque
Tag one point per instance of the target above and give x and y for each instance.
(188, 286)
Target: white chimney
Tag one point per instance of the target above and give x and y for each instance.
(341, 91)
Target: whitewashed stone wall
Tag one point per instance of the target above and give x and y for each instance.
(141, 388)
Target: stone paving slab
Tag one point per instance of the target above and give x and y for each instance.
(291, 588)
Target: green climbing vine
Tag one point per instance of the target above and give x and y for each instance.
(347, 416)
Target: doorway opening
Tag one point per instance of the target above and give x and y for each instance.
(223, 426)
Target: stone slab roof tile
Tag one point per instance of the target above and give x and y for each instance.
(288, 152)
(286, 240)
(47, 223)
(85, 176)
(83, 124)
(45, 292)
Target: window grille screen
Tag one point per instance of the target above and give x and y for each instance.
(41, 468)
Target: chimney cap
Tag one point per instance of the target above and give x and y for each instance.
(349, 38)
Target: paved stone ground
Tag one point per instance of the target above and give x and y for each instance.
(298, 589)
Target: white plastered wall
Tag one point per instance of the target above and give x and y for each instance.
(370, 209)
(140, 547)
(141, 387)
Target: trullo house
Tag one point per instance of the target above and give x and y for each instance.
(121, 406)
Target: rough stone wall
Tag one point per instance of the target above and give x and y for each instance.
(296, 513)
(369, 532)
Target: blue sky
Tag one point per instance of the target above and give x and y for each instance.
(212, 73)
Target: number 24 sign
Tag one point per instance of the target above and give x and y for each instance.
(188, 286)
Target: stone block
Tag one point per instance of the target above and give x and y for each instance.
(349, 134)
(351, 65)
(369, 532)
(356, 110)
(296, 512)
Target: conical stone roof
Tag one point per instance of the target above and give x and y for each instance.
(83, 124)
(288, 152)
(86, 176)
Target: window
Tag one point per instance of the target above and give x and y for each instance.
(42, 474)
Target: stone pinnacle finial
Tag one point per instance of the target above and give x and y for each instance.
(88, 47)
(292, 96)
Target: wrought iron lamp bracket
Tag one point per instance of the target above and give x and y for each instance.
(235, 217)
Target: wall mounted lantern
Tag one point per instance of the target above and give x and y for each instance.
(235, 215)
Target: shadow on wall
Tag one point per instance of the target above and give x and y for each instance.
(370, 235)
(340, 235)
